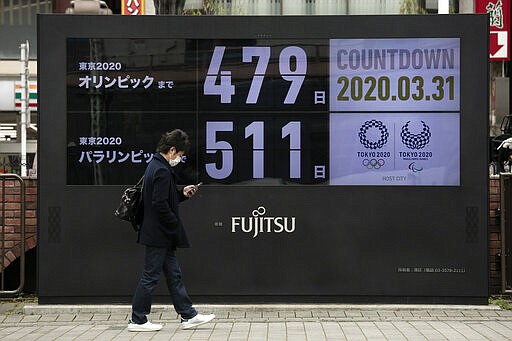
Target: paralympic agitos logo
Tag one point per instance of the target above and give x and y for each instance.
(258, 223)
(414, 168)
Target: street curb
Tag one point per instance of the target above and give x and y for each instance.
(55, 309)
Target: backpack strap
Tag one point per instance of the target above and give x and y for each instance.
(140, 182)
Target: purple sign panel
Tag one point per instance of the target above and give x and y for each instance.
(395, 149)
(395, 74)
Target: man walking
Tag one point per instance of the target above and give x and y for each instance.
(162, 232)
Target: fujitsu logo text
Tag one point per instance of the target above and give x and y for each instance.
(259, 224)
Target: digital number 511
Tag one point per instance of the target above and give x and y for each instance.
(256, 131)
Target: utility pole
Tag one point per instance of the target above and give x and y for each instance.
(443, 6)
(25, 108)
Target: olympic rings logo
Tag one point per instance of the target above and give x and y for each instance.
(373, 163)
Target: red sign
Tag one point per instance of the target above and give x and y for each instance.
(133, 7)
(499, 27)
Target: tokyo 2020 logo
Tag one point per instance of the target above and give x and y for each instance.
(415, 141)
(381, 140)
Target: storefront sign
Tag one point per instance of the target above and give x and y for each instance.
(499, 27)
(133, 7)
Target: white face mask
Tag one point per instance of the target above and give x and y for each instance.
(175, 162)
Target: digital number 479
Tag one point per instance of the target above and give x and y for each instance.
(225, 89)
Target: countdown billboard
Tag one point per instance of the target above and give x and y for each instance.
(324, 111)
(313, 139)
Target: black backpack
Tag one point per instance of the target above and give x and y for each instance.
(131, 207)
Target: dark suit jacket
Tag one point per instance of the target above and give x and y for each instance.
(162, 226)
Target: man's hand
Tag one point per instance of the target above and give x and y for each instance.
(189, 191)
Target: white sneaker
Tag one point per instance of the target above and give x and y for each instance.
(146, 327)
(196, 321)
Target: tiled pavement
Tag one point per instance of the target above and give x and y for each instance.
(265, 322)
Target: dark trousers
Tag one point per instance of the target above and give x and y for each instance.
(159, 259)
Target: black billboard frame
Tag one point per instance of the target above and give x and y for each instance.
(61, 226)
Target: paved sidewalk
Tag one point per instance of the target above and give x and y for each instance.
(265, 322)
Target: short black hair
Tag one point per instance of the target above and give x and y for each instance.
(176, 138)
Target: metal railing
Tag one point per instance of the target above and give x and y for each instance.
(3, 179)
(506, 232)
